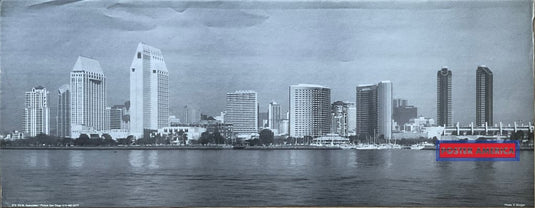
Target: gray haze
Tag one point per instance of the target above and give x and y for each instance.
(216, 47)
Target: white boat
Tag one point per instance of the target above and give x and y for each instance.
(422, 145)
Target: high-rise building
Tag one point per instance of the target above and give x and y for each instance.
(116, 116)
(242, 112)
(444, 107)
(403, 112)
(64, 112)
(384, 109)
(36, 112)
(190, 115)
(274, 116)
(351, 118)
(374, 110)
(340, 118)
(310, 110)
(88, 97)
(483, 96)
(149, 90)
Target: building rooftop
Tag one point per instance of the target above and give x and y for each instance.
(309, 85)
(64, 88)
(88, 65)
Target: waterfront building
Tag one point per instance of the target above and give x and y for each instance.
(242, 112)
(403, 112)
(36, 112)
(117, 112)
(444, 107)
(374, 110)
(190, 114)
(340, 118)
(262, 119)
(88, 97)
(310, 110)
(484, 96)
(274, 116)
(351, 118)
(149, 90)
(63, 118)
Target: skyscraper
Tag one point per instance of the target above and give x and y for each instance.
(64, 112)
(242, 112)
(444, 107)
(149, 90)
(190, 115)
(310, 110)
(274, 116)
(116, 116)
(36, 112)
(403, 112)
(374, 110)
(483, 96)
(340, 118)
(88, 97)
(351, 118)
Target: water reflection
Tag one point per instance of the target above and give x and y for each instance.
(76, 159)
(31, 159)
(135, 158)
(153, 159)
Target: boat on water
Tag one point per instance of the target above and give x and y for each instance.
(423, 145)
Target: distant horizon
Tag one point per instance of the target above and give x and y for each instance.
(211, 50)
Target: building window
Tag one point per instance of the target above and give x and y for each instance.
(154, 71)
(133, 69)
(138, 55)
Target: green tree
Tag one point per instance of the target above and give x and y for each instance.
(266, 137)
(83, 140)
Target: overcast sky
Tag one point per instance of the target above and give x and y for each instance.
(212, 48)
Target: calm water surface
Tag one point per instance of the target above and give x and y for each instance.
(260, 178)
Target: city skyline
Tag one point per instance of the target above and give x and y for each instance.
(209, 55)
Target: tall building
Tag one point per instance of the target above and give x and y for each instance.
(36, 112)
(310, 110)
(64, 112)
(117, 113)
(242, 112)
(149, 90)
(340, 118)
(444, 107)
(351, 118)
(403, 112)
(190, 115)
(483, 96)
(374, 110)
(274, 116)
(88, 97)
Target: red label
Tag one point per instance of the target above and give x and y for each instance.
(477, 150)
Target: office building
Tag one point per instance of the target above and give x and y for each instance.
(242, 112)
(374, 110)
(351, 118)
(88, 97)
(36, 112)
(63, 119)
(117, 112)
(483, 96)
(274, 116)
(149, 91)
(340, 118)
(403, 112)
(444, 107)
(310, 110)
(190, 115)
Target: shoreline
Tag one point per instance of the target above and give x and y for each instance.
(174, 148)
(289, 147)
